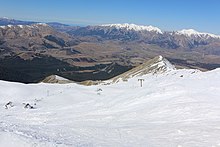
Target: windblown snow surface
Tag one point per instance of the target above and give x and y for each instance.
(179, 108)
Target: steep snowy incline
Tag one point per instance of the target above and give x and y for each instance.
(177, 108)
(156, 65)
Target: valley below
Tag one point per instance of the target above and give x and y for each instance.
(32, 51)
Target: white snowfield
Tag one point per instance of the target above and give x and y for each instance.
(178, 108)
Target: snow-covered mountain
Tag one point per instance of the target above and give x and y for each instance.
(7, 21)
(187, 38)
(134, 27)
(194, 33)
(156, 65)
(186, 32)
(25, 26)
(56, 79)
(4, 21)
(174, 108)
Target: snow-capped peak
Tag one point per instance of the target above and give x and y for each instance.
(192, 32)
(60, 78)
(7, 26)
(23, 26)
(56, 79)
(42, 24)
(5, 18)
(156, 65)
(188, 32)
(134, 27)
(160, 64)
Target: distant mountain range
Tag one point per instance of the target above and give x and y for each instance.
(187, 39)
(96, 52)
(7, 21)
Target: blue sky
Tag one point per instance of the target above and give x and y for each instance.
(202, 15)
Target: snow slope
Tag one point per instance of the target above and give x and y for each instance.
(156, 65)
(177, 108)
(56, 79)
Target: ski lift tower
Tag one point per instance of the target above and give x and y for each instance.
(141, 82)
